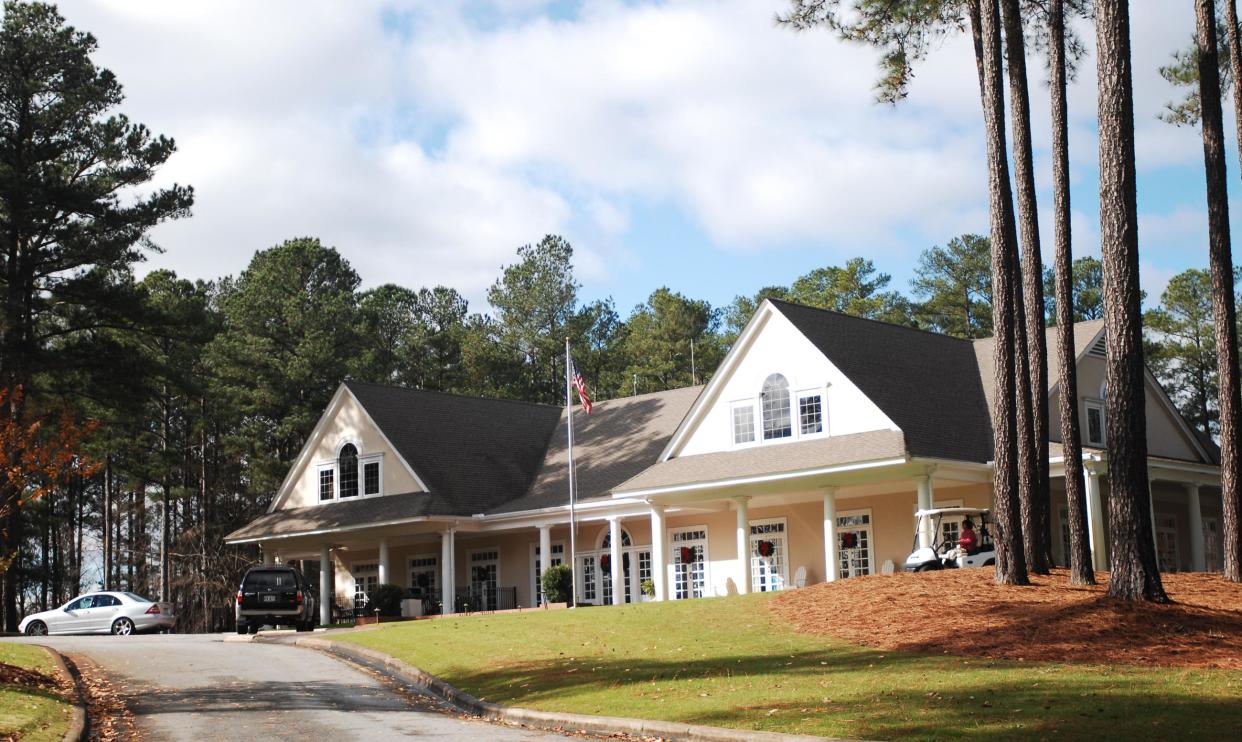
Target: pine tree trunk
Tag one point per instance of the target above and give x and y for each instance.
(1036, 527)
(1082, 571)
(1221, 261)
(1135, 575)
(1010, 557)
(108, 545)
(165, 502)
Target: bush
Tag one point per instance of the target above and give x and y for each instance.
(558, 583)
(648, 587)
(387, 598)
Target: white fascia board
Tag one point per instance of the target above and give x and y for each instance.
(762, 478)
(303, 458)
(719, 377)
(598, 509)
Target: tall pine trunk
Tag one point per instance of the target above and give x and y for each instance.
(1010, 559)
(108, 545)
(1135, 575)
(1036, 526)
(1221, 261)
(1082, 571)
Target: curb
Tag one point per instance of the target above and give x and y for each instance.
(547, 720)
(77, 723)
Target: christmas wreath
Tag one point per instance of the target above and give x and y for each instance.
(765, 548)
(687, 555)
(605, 563)
(849, 540)
(480, 574)
(423, 580)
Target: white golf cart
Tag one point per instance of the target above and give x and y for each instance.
(945, 554)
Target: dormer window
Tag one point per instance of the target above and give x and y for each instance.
(776, 415)
(351, 474)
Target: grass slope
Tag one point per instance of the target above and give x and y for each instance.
(731, 662)
(30, 711)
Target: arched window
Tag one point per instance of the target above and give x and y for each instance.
(347, 463)
(606, 541)
(776, 417)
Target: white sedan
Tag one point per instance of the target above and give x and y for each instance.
(117, 613)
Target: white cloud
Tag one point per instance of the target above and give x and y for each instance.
(427, 145)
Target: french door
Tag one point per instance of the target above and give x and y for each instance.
(689, 562)
(366, 578)
(595, 586)
(854, 544)
(484, 579)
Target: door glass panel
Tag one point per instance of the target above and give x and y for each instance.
(854, 553)
(689, 568)
(767, 556)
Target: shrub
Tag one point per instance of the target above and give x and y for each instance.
(648, 587)
(387, 598)
(558, 583)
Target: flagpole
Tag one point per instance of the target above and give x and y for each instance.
(573, 523)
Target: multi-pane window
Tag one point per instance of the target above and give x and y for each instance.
(689, 567)
(371, 478)
(366, 578)
(484, 574)
(423, 573)
(744, 424)
(810, 414)
(1095, 422)
(1166, 544)
(347, 462)
(767, 556)
(776, 414)
(588, 579)
(854, 545)
(326, 483)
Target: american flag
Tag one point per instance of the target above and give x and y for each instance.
(580, 385)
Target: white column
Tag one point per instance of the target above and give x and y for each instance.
(831, 568)
(925, 503)
(1151, 504)
(742, 505)
(1095, 517)
(448, 589)
(384, 572)
(659, 570)
(325, 585)
(1198, 551)
(545, 556)
(618, 573)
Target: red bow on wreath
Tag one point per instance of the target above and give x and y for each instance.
(605, 563)
(765, 549)
(687, 555)
(849, 540)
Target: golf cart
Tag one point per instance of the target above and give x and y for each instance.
(944, 554)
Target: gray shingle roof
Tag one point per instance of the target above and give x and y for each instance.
(473, 453)
(345, 514)
(619, 439)
(705, 468)
(928, 384)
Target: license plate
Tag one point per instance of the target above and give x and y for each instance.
(269, 598)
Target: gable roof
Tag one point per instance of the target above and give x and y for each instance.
(619, 439)
(1085, 335)
(926, 383)
(474, 452)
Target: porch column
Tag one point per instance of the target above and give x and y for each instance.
(659, 570)
(325, 585)
(925, 503)
(831, 568)
(448, 588)
(743, 544)
(617, 570)
(1198, 552)
(270, 557)
(1151, 504)
(545, 557)
(1095, 517)
(383, 562)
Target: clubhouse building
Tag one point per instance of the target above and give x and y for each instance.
(804, 459)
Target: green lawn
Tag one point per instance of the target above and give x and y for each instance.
(28, 713)
(729, 662)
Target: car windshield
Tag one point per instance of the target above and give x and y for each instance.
(270, 578)
(137, 598)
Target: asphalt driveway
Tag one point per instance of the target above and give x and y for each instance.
(195, 687)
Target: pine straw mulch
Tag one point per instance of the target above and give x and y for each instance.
(964, 612)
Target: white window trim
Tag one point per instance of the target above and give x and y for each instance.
(363, 460)
(795, 416)
(755, 434)
(870, 526)
(670, 577)
(784, 562)
(534, 581)
(1089, 403)
(482, 550)
(319, 469)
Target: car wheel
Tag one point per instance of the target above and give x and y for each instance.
(241, 627)
(36, 628)
(253, 628)
(122, 627)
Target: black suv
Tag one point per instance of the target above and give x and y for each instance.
(274, 596)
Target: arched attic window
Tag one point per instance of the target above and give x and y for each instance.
(776, 414)
(347, 464)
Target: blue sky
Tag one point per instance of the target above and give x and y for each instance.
(689, 144)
